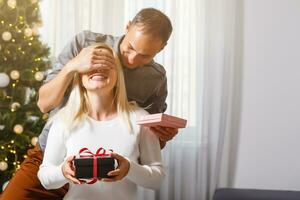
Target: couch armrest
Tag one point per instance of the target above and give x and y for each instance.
(254, 194)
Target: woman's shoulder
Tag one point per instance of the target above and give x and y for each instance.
(56, 122)
(138, 112)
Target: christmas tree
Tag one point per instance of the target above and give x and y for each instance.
(23, 61)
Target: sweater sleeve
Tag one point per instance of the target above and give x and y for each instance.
(157, 101)
(70, 50)
(50, 172)
(150, 172)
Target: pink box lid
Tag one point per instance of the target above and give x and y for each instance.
(161, 119)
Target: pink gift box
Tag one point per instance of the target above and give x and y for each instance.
(162, 119)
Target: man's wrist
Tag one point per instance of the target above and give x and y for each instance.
(69, 69)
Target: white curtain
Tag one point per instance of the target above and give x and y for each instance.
(63, 19)
(222, 84)
(201, 70)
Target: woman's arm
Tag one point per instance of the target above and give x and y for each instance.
(150, 172)
(50, 172)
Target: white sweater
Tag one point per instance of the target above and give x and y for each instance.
(141, 148)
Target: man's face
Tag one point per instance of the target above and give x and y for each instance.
(138, 48)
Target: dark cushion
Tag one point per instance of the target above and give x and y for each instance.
(253, 194)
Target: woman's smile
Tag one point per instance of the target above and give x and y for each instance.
(101, 78)
(98, 77)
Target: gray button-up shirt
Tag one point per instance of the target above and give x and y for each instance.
(147, 84)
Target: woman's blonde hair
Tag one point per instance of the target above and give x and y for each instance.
(76, 108)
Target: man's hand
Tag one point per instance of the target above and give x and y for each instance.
(91, 58)
(164, 134)
(121, 171)
(69, 171)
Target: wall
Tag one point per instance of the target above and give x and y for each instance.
(268, 154)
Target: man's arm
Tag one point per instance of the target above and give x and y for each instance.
(158, 99)
(59, 76)
(57, 88)
(73, 59)
(159, 106)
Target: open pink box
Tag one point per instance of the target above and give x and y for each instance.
(162, 119)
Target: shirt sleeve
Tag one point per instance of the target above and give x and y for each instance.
(50, 172)
(149, 172)
(158, 99)
(69, 52)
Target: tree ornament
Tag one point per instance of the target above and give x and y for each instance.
(33, 118)
(15, 74)
(3, 165)
(39, 76)
(40, 24)
(18, 129)
(6, 36)
(35, 30)
(12, 3)
(4, 185)
(4, 80)
(14, 106)
(28, 32)
(45, 116)
(34, 141)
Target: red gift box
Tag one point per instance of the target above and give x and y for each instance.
(162, 119)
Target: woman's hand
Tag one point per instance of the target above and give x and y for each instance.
(121, 171)
(69, 171)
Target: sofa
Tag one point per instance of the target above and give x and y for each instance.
(255, 194)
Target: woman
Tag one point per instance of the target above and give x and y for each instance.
(96, 115)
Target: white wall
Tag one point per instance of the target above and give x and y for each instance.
(268, 154)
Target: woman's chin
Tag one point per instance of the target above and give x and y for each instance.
(99, 88)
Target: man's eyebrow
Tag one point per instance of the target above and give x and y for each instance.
(136, 51)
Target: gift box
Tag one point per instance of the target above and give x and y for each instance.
(93, 166)
(162, 119)
(84, 167)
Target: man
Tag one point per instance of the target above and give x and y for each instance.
(145, 81)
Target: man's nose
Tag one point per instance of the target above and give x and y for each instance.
(132, 58)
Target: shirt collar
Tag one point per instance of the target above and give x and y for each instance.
(116, 46)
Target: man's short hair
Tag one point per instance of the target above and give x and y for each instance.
(154, 22)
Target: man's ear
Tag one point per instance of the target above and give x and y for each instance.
(127, 27)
